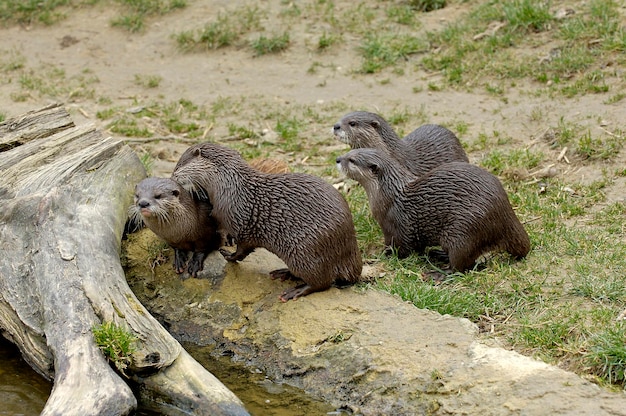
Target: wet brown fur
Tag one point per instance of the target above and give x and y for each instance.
(458, 206)
(175, 216)
(422, 150)
(299, 217)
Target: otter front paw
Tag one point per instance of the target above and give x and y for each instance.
(180, 260)
(196, 264)
(231, 257)
(238, 255)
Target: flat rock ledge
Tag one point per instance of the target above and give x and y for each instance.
(360, 350)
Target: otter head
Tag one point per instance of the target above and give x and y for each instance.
(363, 165)
(361, 129)
(203, 166)
(155, 200)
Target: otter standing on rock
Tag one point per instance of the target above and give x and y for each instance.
(422, 150)
(185, 224)
(299, 217)
(458, 206)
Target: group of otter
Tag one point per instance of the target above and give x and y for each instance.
(422, 190)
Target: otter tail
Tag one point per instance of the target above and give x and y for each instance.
(517, 242)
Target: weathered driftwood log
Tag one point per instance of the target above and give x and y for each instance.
(64, 193)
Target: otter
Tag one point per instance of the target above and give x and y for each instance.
(299, 217)
(172, 213)
(458, 206)
(422, 150)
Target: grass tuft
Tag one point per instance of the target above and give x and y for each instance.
(382, 50)
(27, 12)
(227, 30)
(607, 357)
(273, 44)
(136, 11)
(116, 343)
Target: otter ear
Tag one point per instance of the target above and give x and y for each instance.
(176, 192)
(375, 124)
(197, 152)
(374, 168)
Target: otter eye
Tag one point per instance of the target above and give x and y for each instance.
(158, 196)
(352, 123)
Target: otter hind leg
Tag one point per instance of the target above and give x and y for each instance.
(463, 258)
(180, 260)
(296, 292)
(438, 255)
(196, 263)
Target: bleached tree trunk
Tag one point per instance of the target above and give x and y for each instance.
(64, 194)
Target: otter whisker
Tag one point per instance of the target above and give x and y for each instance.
(134, 215)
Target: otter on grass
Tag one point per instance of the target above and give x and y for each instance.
(174, 215)
(299, 217)
(420, 151)
(458, 206)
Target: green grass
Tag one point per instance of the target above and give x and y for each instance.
(179, 118)
(50, 82)
(135, 12)
(288, 129)
(607, 356)
(382, 50)
(275, 43)
(427, 5)
(327, 40)
(132, 18)
(116, 343)
(228, 29)
(148, 163)
(148, 81)
(471, 52)
(28, 12)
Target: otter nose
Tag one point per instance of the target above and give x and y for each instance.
(338, 159)
(143, 203)
(337, 126)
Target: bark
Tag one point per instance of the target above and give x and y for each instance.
(64, 194)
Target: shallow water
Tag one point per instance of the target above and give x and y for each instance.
(24, 392)
(261, 396)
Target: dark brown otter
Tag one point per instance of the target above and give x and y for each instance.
(184, 223)
(458, 206)
(422, 150)
(299, 217)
